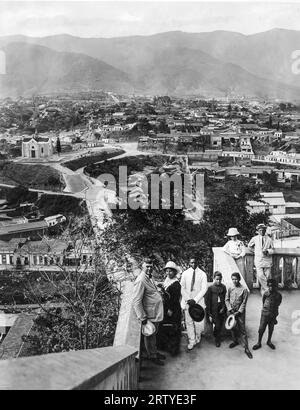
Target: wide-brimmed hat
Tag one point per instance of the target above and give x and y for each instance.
(148, 329)
(261, 226)
(172, 265)
(230, 322)
(196, 312)
(233, 232)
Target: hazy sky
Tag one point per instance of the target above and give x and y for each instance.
(121, 18)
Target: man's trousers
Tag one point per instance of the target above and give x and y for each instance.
(218, 323)
(240, 331)
(151, 344)
(194, 329)
(263, 274)
(266, 320)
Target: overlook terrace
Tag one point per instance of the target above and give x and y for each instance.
(122, 367)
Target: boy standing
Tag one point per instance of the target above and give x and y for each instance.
(215, 306)
(271, 302)
(236, 301)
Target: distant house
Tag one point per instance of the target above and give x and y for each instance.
(24, 228)
(248, 128)
(37, 147)
(55, 219)
(45, 254)
(238, 154)
(278, 134)
(248, 172)
(281, 157)
(216, 140)
(287, 228)
(273, 202)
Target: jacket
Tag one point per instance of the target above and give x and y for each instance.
(261, 260)
(215, 300)
(236, 299)
(147, 301)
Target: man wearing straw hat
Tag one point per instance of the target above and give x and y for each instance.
(262, 244)
(193, 290)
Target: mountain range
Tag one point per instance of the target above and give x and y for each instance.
(212, 64)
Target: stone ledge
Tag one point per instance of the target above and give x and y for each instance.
(128, 331)
(77, 370)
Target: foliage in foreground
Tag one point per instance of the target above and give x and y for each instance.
(83, 307)
(73, 327)
(166, 235)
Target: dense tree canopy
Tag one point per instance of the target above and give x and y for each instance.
(166, 234)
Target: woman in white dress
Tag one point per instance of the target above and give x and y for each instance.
(235, 248)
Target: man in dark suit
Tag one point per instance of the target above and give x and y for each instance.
(148, 305)
(215, 306)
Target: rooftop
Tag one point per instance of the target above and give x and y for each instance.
(25, 227)
(38, 139)
(45, 246)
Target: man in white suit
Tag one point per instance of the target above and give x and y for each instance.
(193, 289)
(262, 245)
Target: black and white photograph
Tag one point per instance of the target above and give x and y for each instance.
(149, 198)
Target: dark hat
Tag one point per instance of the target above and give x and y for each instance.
(196, 312)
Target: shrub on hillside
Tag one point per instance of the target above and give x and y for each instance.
(134, 164)
(84, 161)
(61, 204)
(32, 176)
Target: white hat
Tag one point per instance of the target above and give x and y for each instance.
(233, 232)
(261, 226)
(148, 329)
(230, 322)
(172, 265)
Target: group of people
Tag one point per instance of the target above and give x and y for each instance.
(187, 296)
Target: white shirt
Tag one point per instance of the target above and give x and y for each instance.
(261, 244)
(199, 289)
(235, 248)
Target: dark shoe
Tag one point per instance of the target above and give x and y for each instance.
(248, 353)
(218, 344)
(157, 361)
(270, 344)
(161, 356)
(257, 346)
(233, 344)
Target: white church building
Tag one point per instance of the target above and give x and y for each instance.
(37, 147)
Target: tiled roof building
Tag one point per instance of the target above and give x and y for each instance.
(37, 147)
